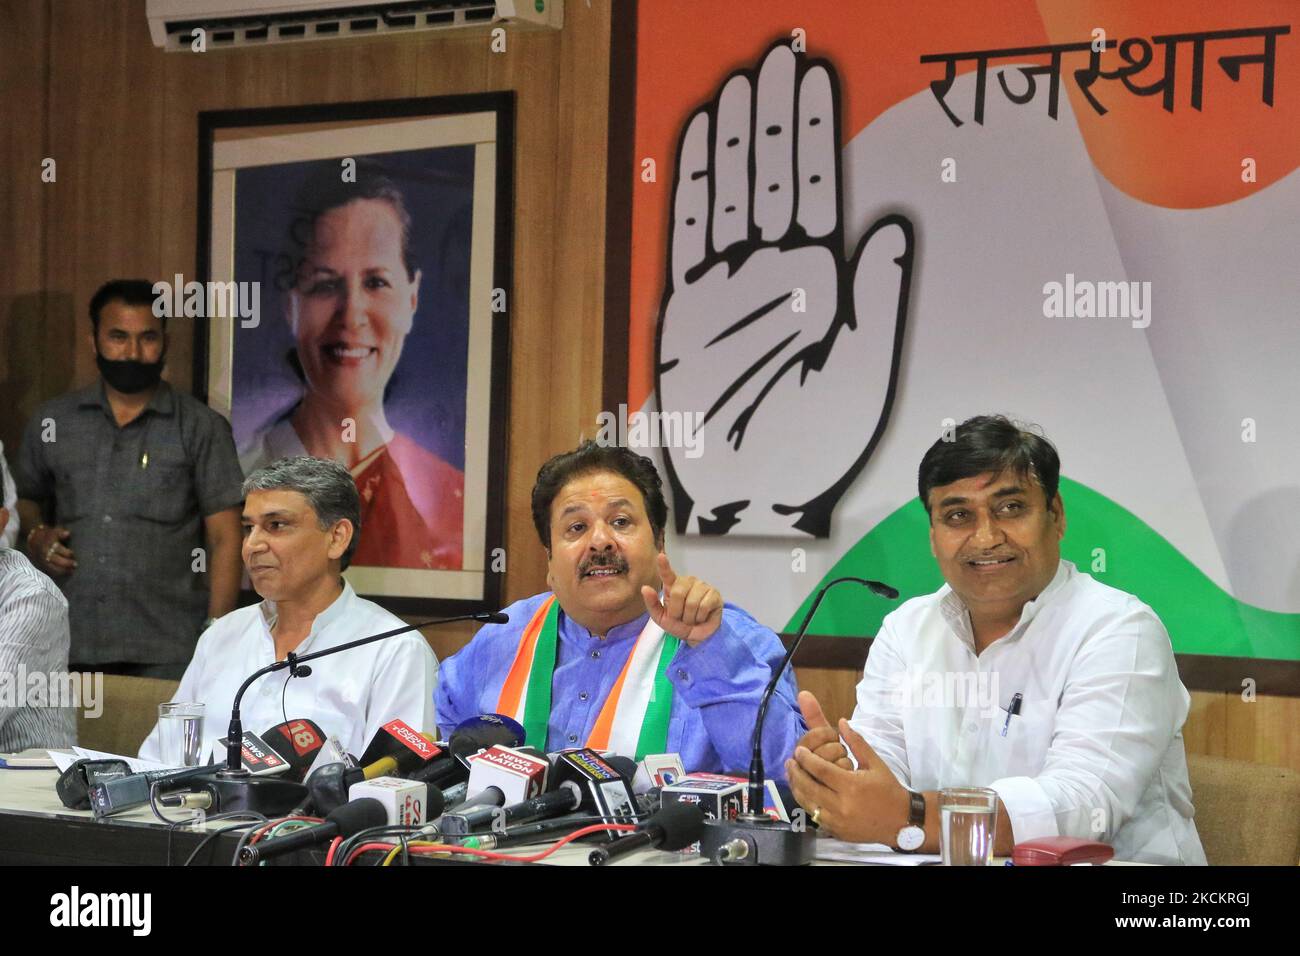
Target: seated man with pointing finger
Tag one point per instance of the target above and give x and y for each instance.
(1068, 705)
(623, 653)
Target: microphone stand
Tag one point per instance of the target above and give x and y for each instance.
(233, 787)
(754, 838)
(295, 662)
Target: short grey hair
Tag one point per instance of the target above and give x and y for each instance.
(326, 485)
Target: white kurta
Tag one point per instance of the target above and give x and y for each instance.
(1096, 750)
(350, 695)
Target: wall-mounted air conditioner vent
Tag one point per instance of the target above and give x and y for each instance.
(241, 23)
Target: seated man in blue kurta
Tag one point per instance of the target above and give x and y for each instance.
(622, 654)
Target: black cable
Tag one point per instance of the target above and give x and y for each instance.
(174, 825)
(216, 833)
(153, 805)
(270, 825)
(363, 836)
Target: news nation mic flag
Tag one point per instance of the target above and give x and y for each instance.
(502, 777)
(519, 776)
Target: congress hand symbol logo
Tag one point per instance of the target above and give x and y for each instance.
(788, 349)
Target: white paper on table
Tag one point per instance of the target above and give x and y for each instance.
(65, 760)
(876, 854)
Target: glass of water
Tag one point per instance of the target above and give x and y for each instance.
(180, 733)
(968, 821)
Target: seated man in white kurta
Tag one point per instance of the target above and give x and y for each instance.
(1022, 674)
(301, 526)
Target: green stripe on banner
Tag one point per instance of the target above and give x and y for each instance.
(1200, 616)
(654, 729)
(537, 708)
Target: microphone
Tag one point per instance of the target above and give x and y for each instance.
(299, 742)
(469, 737)
(454, 796)
(113, 793)
(657, 770)
(625, 766)
(396, 749)
(584, 781)
(527, 832)
(498, 775)
(344, 821)
(786, 846)
(295, 662)
(675, 827)
(565, 798)
(258, 757)
(605, 792)
(406, 803)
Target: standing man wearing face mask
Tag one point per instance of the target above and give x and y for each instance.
(129, 493)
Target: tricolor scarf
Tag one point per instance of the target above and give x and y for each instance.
(633, 720)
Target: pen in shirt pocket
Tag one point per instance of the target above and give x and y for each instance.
(1012, 709)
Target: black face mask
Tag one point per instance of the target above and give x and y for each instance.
(129, 376)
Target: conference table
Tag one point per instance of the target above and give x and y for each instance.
(36, 829)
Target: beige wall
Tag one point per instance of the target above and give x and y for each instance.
(81, 83)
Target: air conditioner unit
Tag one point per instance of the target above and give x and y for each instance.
(244, 23)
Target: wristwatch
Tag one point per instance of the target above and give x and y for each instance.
(912, 837)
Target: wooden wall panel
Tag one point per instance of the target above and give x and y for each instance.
(24, 383)
(105, 128)
(1265, 730)
(833, 687)
(535, 395)
(580, 219)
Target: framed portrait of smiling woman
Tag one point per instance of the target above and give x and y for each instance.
(351, 300)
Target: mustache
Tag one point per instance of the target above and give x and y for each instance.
(613, 561)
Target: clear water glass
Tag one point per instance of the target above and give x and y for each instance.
(968, 825)
(180, 733)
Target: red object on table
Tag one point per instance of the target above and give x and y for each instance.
(1060, 851)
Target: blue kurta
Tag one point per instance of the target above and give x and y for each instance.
(716, 687)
